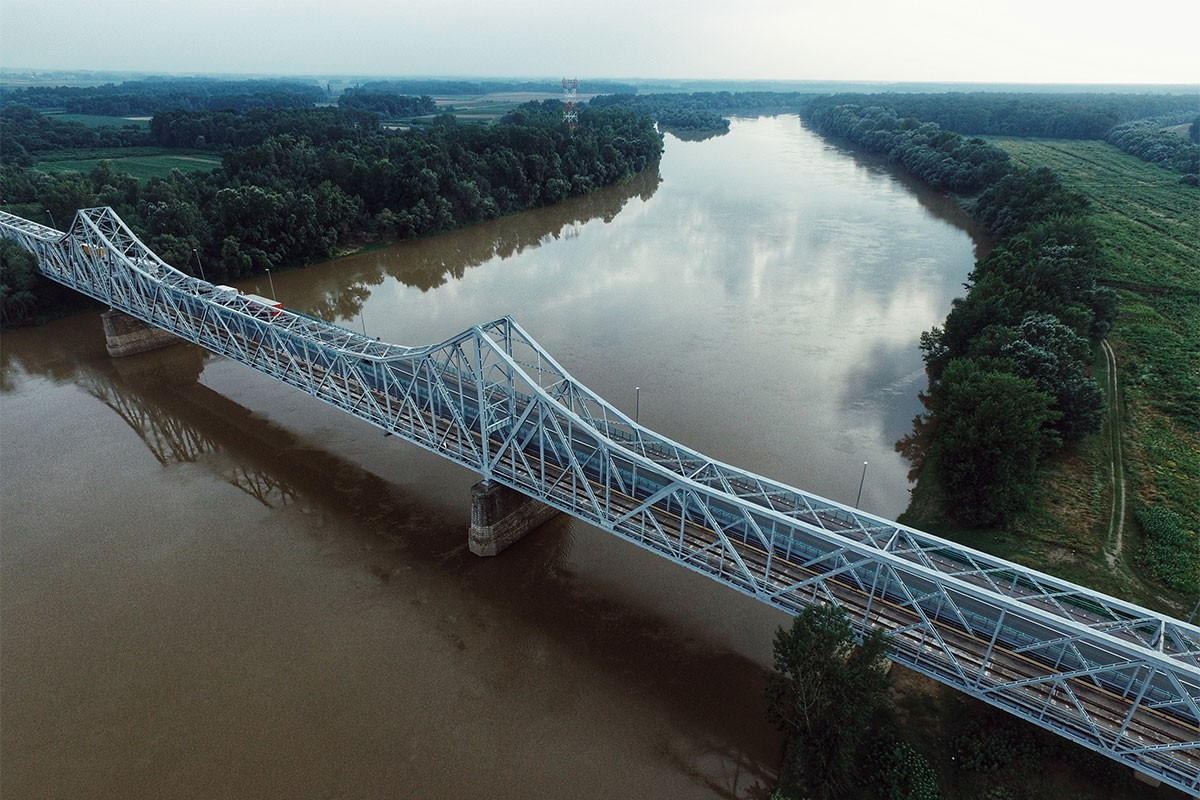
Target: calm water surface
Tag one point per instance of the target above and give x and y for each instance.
(215, 586)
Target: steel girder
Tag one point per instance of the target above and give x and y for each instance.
(1117, 678)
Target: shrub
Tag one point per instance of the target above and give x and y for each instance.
(1170, 552)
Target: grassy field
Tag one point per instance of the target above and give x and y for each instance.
(142, 163)
(94, 121)
(1149, 228)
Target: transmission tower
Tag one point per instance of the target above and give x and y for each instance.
(570, 91)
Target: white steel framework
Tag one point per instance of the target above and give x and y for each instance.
(570, 94)
(1114, 677)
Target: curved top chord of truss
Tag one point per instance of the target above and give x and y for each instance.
(1120, 679)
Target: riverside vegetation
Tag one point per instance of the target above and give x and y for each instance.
(1088, 244)
(1013, 403)
(299, 185)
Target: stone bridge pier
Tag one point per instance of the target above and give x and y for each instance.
(125, 335)
(501, 516)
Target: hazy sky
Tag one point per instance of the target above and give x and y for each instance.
(1026, 41)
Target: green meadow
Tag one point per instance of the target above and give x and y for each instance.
(142, 163)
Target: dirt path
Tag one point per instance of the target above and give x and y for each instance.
(1114, 543)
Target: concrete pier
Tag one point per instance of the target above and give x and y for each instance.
(501, 516)
(125, 335)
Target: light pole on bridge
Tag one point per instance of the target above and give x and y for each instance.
(861, 481)
(53, 224)
(196, 253)
(270, 281)
(637, 403)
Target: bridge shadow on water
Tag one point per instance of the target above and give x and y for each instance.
(406, 544)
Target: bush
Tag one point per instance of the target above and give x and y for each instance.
(905, 774)
(989, 751)
(1170, 552)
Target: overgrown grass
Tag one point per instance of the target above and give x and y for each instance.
(142, 163)
(1062, 532)
(97, 121)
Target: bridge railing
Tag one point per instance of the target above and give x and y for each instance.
(1120, 679)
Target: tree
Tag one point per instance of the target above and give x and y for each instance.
(824, 693)
(18, 275)
(992, 429)
(1056, 358)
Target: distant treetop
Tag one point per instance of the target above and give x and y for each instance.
(152, 95)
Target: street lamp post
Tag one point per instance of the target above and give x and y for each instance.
(637, 403)
(198, 264)
(861, 481)
(53, 224)
(272, 282)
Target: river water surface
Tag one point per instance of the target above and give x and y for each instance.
(213, 585)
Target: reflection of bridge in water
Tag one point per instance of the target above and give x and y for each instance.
(174, 441)
(1117, 678)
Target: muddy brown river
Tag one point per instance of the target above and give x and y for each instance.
(212, 585)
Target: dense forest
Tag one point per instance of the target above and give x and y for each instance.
(1150, 140)
(1054, 116)
(220, 130)
(24, 131)
(387, 104)
(285, 198)
(1009, 369)
(152, 95)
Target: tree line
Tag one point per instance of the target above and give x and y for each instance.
(288, 200)
(152, 95)
(1150, 141)
(1009, 373)
(1008, 369)
(221, 130)
(1082, 115)
(702, 111)
(387, 104)
(941, 158)
(442, 87)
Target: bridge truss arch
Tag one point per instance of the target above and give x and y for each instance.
(1119, 679)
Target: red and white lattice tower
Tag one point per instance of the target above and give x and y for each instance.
(570, 91)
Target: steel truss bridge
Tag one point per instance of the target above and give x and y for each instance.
(1104, 673)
